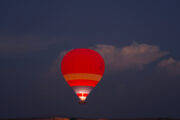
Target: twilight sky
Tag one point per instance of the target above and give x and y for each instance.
(139, 41)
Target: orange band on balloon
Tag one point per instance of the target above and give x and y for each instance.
(91, 83)
(82, 76)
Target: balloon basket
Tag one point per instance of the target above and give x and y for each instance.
(82, 102)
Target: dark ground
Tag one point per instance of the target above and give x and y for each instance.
(58, 118)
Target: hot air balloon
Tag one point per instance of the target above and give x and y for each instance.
(82, 69)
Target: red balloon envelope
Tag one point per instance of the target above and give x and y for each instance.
(82, 69)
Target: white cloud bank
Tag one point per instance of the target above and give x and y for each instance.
(133, 56)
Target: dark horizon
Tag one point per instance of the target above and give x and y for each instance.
(90, 118)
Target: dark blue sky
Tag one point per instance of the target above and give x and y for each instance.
(143, 83)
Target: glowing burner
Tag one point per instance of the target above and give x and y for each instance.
(82, 92)
(82, 98)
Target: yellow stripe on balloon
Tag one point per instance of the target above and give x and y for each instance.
(82, 76)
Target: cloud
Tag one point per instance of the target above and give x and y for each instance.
(15, 45)
(170, 65)
(56, 63)
(133, 56)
